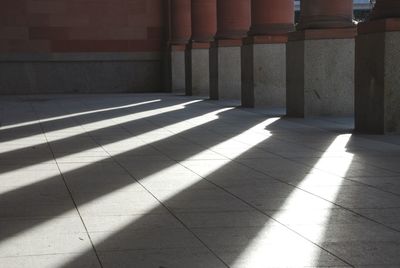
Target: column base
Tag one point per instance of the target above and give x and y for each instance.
(225, 70)
(320, 73)
(178, 68)
(264, 71)
(198, 70)
(377, 88)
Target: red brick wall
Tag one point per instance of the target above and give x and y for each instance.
(80, 25)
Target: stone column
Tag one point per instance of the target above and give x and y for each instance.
(233, 23)
(264, 53)
(386, 9)
(320, 60)
(180, 32)
(377, 86)
(204, 27)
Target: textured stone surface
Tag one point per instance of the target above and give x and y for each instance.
(178, 71)
(38, 77)
(93, 56)
(369, 83)
(200, 72)
(392, 82)
(377, 83)
(229, 73)
(328, 82)
(264, 72)
(295, 78)
(183, 182)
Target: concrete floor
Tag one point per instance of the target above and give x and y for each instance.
(167, 181)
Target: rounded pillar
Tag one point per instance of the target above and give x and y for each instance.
(322, 14)
(204, 20)
(181, 22)
(384, 9)
(233, 20)
(271, 17)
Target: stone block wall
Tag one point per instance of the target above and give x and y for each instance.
(44, 39)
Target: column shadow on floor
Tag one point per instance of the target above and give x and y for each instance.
(220, 216)
(74, 144)
(225, 218)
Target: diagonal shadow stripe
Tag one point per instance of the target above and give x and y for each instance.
(73, 145)
(26, 201)
(219, 235)
(68, 124)
(190, 199)
(110, 103)
(111, 251)
(10, 133)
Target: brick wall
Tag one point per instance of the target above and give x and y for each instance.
(80, 25)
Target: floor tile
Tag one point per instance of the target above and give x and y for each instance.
(201, 184)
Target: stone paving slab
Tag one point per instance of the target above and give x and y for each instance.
(157, 180)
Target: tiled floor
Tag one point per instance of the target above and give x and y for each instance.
(167, 181)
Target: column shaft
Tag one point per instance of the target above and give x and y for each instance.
(204, 20)
(271, 17)
(204, 27)
(386, 9)
(234, 17)
(180, 33)
(233, 23)
(320, 14)
(181, 23)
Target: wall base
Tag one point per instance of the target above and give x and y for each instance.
(225, 72)
(40, 73)
(198, 76)
(178, 73)
(320, 77)
(264, 75)
(377, 90)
